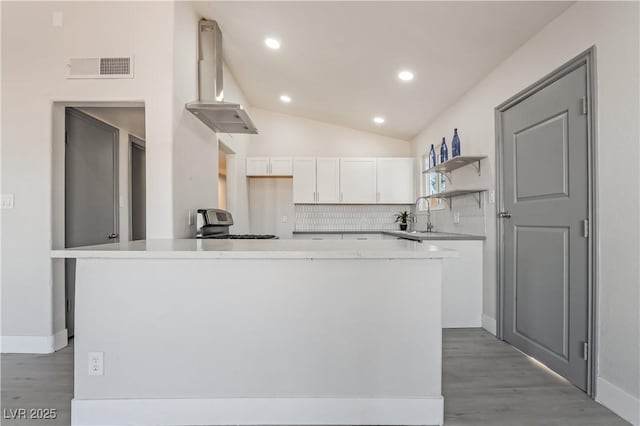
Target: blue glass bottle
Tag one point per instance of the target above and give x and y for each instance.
(455, 144)
(444, 153)
(432, 157)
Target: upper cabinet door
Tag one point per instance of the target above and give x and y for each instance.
(304, 180)
(396, 179)
(358, 180)
(281, 166)
(257, 166)
(328, 180)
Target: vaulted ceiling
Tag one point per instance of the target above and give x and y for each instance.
(339, 61)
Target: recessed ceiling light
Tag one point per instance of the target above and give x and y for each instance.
(378, 120)
(272, 43)
(405, 75)
(286, 99)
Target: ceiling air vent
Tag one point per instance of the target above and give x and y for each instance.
(121, 67)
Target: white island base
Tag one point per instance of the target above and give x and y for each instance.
(280, 332)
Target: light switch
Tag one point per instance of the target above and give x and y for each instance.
(492, 196)
(285, 219)
(57, 19)
(7, 201)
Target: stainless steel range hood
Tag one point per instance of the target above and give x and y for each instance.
(220, 116)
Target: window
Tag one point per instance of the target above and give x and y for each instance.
(432, 183)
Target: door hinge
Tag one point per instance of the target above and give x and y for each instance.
(585, 351)
(583, 105)
(585, 228)
(68, 305)
(66, 138)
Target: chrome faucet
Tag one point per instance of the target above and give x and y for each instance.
(429, 224)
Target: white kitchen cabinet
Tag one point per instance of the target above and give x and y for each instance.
(461, 284)
(269, 166)
(316, 180)
(304, 180)
(281, 166)
(258, 166)
(358, 180)
(328, 180)
(395, 180)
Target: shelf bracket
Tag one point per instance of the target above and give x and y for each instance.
(447, 175)
(476, 165)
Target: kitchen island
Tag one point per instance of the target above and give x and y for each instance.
(258, 332)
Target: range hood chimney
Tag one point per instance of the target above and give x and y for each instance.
(219, 116)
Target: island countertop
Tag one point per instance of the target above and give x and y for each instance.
(259, 249)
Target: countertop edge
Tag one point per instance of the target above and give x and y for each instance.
(419, 237)
(255, 255)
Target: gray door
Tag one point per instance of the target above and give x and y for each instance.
(138, 189)
(545, 186)
(91, 190)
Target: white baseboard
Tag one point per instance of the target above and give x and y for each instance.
(258, 411)
(33, 344)
(489, 324)
(60, 340)
(620, 402)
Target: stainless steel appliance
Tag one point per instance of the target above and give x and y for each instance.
(215, 223)
(210, 108)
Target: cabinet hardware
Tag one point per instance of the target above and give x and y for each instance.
(112, 236)
(504, 215)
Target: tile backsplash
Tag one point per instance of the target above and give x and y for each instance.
(330, 217)
(472, 217)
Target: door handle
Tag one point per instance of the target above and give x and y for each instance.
(504, 215)
(112, 236)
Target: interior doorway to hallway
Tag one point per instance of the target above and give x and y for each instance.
(99, 186)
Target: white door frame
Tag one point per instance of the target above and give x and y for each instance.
(585, 58)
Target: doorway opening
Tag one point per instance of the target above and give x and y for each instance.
(546, 233)
(96, 182)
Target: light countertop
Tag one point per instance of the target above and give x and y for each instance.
(259, 249)
(409, 235)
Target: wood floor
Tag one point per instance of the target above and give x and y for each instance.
(485, 382)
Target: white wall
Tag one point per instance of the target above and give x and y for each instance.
(195, 148)
(613, 28)
(288, 135)
(129, 118)
(34, 56)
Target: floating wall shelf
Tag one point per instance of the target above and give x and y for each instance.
(448, 195)
(455, 163)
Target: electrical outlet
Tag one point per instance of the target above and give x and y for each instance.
(456, 217)
(285, 219)
(7, 201)
(492, 196)
(96, 363)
